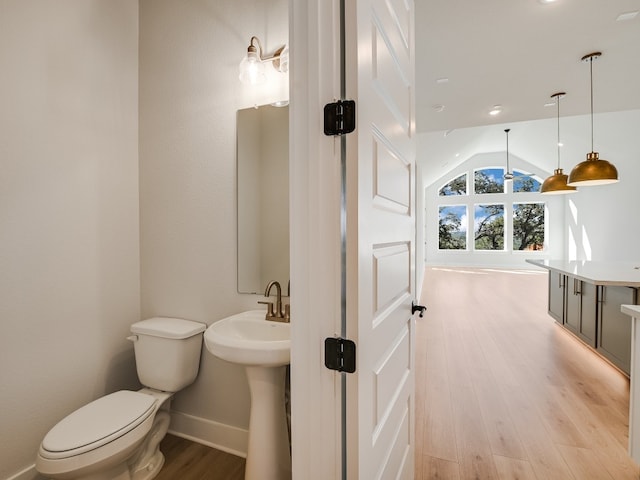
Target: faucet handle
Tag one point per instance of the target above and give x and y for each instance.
(270, 310)
(287, 312)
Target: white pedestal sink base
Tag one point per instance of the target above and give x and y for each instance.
(268, 454)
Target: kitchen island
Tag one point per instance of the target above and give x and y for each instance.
(634, 395)
(585, 297)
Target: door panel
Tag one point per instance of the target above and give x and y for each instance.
(381, 240)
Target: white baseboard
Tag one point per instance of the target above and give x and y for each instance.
(29, 473)
(212, 434)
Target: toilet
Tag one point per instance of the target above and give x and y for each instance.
(117, 437)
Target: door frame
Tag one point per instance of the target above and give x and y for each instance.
(314, 182)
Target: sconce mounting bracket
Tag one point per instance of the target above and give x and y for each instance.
(339, 117)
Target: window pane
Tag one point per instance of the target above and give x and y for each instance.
(525, 182)
(453, 228)
(489, 180)
(457, 186)
(528, 226)
(489, 227)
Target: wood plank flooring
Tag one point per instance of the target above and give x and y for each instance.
(185, 460)
(502, 392)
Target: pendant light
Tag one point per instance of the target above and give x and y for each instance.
(508, 175)
(594, 170)
(556, 184)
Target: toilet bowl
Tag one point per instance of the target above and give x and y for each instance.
(117, 437)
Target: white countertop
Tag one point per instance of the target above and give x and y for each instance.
(625, 274)
(631, 310)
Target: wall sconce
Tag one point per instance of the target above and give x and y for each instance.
(252, 71)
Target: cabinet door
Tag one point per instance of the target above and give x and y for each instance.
(573, 303)
(614, 327)
(588, 313)
(557, 283)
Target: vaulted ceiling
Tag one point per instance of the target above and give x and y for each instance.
(474, 54)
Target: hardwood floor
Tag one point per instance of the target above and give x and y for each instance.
(502, 391)
(185, 460)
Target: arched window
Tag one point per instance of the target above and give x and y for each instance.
(457, 186)
(498, 215)
(488, 180)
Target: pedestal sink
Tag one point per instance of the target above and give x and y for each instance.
(264, 348)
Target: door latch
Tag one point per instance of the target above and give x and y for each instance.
(417, 308)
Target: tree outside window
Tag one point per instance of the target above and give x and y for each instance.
(488, 180)
(528, 226)
(524, 182)
(489, 227)
(457, 186)
(453, 228)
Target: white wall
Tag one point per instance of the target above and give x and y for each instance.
(602, 221)
(189, 94)
(599, 223)
(69, 244)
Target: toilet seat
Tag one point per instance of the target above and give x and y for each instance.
(98, 423)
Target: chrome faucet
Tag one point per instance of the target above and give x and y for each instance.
(277, 314)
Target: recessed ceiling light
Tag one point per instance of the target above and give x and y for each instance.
(495, 110)
(442, 80)
(544, 2)
(627, 16)
(550, 104)
(438, 108)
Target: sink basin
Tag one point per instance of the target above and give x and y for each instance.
(248, 339)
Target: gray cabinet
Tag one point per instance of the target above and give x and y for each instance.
(588, 314)
(557, 287)
(580, 309)
(572, 305)
(614, 327)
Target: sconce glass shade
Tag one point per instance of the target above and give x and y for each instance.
(283, 59)
(556, 184)
(251, 68)
(593, 171)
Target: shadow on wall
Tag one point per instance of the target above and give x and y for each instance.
(121, 374)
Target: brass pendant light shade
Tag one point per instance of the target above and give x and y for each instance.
(593, 171)
(556, 184)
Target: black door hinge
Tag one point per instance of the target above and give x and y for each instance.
(340, 354)
(339, 117)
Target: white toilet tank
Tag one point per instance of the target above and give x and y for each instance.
(167, 352)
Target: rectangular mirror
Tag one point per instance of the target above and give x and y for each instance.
(263, 197)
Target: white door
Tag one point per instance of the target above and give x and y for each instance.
(381, 252)
(380, 233)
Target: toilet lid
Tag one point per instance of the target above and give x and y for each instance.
(99, 422)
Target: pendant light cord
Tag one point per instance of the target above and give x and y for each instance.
(558, 105)
(507, 132)
(591, 76)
